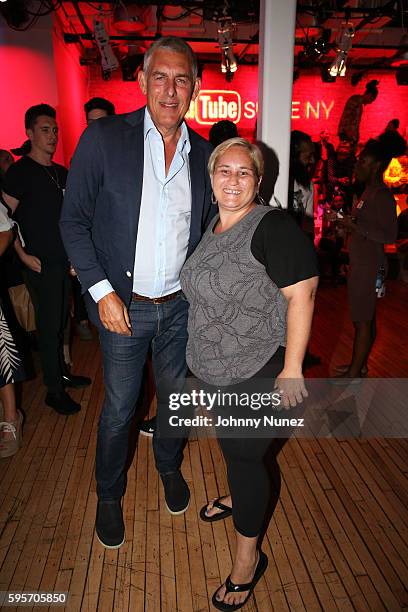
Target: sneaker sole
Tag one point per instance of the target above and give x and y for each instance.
(145, 433)
(107, 545)
(178, 511)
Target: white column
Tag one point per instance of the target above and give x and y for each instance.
(276, 51)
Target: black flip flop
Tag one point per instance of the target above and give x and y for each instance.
(238, 588)
(226, 511)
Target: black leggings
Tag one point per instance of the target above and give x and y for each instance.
(248, 477)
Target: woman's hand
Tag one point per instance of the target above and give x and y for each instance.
(291, 387)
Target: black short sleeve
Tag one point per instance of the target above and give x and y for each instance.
(12, 183)
(286, 252)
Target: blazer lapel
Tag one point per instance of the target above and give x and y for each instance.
(134, 161)
(196, 162)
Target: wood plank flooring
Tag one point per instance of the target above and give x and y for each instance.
(338, 540)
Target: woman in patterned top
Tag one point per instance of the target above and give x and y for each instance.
(10, 364)
(250, 284)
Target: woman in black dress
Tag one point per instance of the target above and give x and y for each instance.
(373, 223)
(11, 370)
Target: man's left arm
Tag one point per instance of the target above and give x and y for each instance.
(210, 209)
(77, 216)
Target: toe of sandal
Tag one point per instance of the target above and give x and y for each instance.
(239, 588)
(219, 516)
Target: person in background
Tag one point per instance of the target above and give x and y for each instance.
(340, 169)
(332, 240)
(402, 243)
(349, 124)
(6, 159)
(96, 108)
(11, 370)
(324, 152)
(221, 131)
(392, 125)
(33, 188)
(137, 203)
(373, 223)
(301, 190)
(251, 284)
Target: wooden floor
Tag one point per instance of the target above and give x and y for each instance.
(338, 540)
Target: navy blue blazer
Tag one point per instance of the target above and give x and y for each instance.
(100, 214)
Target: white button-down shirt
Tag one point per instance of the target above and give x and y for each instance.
(164, 221)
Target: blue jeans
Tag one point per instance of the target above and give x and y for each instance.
(163, 327)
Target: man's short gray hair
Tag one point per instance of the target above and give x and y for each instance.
(177, 45)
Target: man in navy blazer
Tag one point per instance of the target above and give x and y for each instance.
(137, 202)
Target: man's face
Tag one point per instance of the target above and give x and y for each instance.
(169, 88)
(365, 168)
(338, 202)
(44, 135)
(96, 113)
(307, 156)
(343, 150)
(6, 159)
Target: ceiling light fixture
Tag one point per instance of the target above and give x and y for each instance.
(109, 61)
(228, 61)
(338, 67)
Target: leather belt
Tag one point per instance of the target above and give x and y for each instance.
(159, 300)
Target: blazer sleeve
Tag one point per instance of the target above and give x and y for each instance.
(85, 180)
(210, 209)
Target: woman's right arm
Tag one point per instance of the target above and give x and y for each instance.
(6, 232)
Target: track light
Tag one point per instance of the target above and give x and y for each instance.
(338, 67)
(228, 60)
(109, 61)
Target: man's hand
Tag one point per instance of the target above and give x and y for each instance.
(114, 315)
(32, 262)
(291, 388)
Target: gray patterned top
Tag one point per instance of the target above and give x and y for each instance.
(237, 316)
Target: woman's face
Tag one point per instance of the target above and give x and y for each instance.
(338, 202)
(234, 182)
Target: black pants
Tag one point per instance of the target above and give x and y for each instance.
(80, 312)
(49, 292)
(248, 477)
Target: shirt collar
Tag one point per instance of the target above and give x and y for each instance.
(184, 140)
